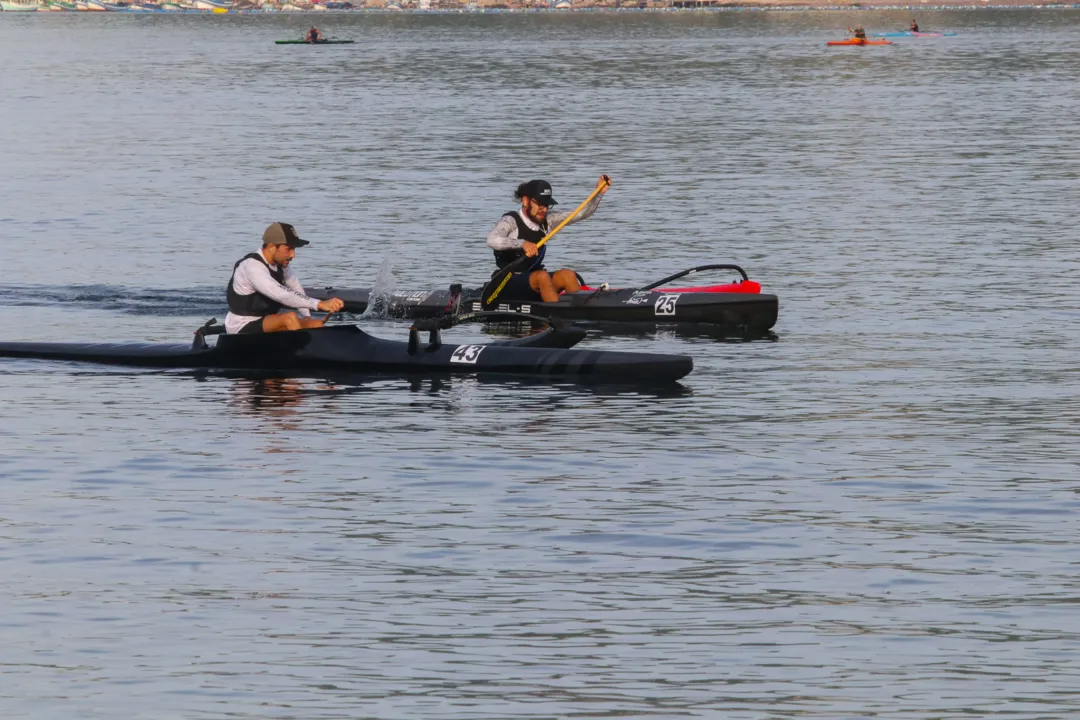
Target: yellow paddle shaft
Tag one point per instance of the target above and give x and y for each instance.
(571, 216)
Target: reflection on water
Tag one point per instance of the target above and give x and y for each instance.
(687, 331)
(268, 397)
(279, 402)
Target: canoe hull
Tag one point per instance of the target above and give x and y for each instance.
(853, 41)
(321, 42)
(742, 314)
(348, 349)
(731, 313)
(914, 34)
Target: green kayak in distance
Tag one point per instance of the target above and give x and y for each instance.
(319, 42)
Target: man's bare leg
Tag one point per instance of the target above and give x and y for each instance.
(281, 322)
(540, 281)
(566, 280)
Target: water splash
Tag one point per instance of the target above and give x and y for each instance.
(379, 300)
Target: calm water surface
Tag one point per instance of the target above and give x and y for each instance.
(874, 515)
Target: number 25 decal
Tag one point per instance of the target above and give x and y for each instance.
(466, 354)
(665, 305)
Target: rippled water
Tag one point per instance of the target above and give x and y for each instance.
(872, 516)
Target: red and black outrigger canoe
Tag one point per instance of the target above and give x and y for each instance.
(735, 308)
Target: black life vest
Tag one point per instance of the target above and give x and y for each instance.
(255, 304)
(525, 233)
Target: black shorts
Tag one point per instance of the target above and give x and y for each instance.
(519, 289)
(253, 327)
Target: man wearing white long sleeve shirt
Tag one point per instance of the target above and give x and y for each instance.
(518, 232)
(264, 293)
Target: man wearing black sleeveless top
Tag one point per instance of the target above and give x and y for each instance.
(517, 233)
(262, 286)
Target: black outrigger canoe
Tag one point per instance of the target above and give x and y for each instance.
(738, 308)
(347, 348)
(316, 42)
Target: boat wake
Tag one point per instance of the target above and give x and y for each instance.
(113, 298)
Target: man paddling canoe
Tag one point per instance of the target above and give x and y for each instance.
(517, 233)
(914, 26)
(263, 285)
(314, 35)
(858, 33)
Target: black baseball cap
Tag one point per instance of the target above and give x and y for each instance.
(540, 191)
(280, 233)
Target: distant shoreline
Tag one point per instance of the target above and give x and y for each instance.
(677, 6)
(765, 5)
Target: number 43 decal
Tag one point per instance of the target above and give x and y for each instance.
(665, 305)
(466, 354)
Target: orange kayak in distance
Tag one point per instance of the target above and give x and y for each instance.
(855, 41)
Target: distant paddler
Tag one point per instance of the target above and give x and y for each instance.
(517, 233)
(314, 35)
(264, 293)
(914, 26)
(858, 33)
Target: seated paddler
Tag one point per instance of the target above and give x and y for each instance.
(517, 233)
(264, 293)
